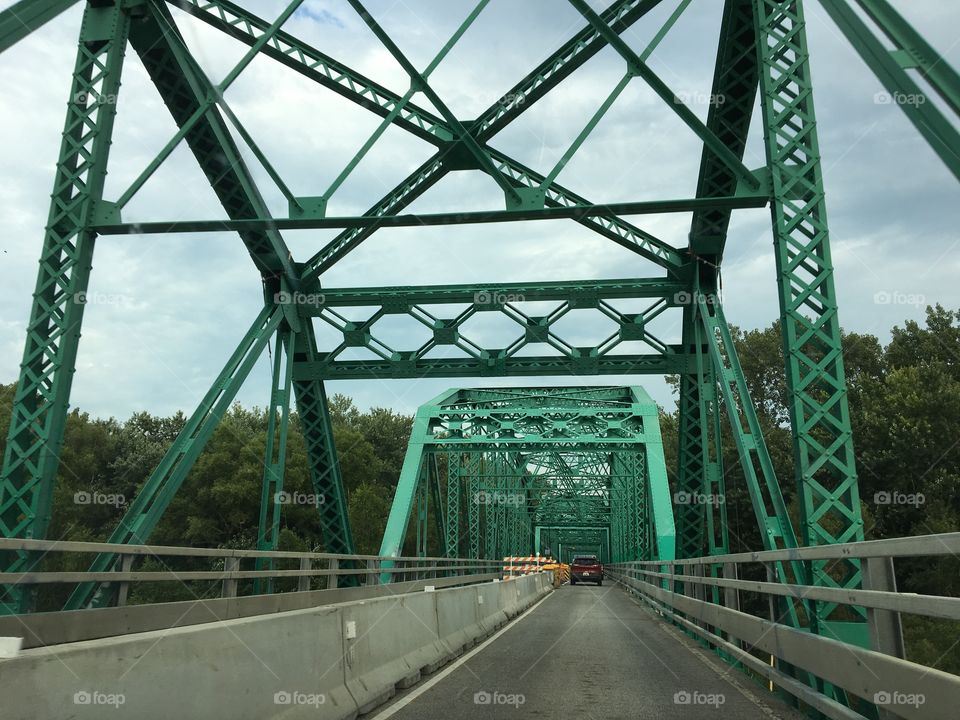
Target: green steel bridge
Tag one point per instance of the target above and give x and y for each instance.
(489, 472)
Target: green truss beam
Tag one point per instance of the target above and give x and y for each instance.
(581, 47)
(466, 357)
(572, 212)
(825, 469)
(184, 88)
(736, 78)
(41, 398)
(275, 453)
(25, 16)
(517, 481)
(910, 51)
(140, 519)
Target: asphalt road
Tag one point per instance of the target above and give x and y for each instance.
(586, 652)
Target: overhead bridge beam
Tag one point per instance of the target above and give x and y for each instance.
(573, 212)
(22, 18)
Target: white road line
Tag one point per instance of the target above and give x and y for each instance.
(423, 687)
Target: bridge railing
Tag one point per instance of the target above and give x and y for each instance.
(704, 596)
(230, 584)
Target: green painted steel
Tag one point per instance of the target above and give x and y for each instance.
(275, 453)
(910, 51)
(825, 468)
(150, 503)
(509, 470)
(529, 458)
(41, 400)
(25, 16)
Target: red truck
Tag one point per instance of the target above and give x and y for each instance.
(586, 568)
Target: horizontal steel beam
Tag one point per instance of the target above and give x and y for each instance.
(575, 290)
(523, 445)
(404, 367)
(53, 578)
(574, 212)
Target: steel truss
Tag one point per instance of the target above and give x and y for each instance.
(762, 52)
(522, 460)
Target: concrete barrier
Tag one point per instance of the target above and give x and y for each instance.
(392, 641)
(326, 663)
(489, 614)
(514, 592)
(287, 665)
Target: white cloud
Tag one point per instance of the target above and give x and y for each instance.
(893, 207)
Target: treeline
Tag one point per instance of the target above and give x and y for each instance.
(905, 413)
(105, 462)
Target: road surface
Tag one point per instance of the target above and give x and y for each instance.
(586, 652)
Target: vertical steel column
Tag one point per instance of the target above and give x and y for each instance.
(820, 420)
(474, 460)
(42, 396)
(453, 504)
(275, 453)
(423, 500)
(322, 454)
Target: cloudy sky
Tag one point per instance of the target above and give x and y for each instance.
(168, 310)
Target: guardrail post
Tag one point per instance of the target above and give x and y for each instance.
(731, 596)
(373, 572)
(126, 562)
(230, 565)
(886, 629)
(698, 591)
(772, 599)
(334, 566)
(303, 582)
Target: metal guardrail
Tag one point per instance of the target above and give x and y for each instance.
(322, 579)
(311, 565)
(702, 595)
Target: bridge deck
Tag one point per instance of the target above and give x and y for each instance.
(586, 652)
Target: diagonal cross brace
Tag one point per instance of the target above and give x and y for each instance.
(638, 67)
(294, 53)
(183, 87)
